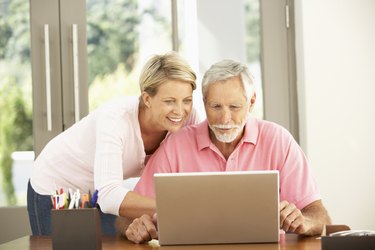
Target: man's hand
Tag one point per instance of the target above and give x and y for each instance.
(292, 219)
(142, 229)
(309, 221)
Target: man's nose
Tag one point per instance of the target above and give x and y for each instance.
(226, 116)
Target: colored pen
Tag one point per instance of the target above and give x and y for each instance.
(94, 198)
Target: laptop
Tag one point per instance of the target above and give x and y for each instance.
(217, 207)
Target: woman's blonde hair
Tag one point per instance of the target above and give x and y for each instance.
(161, 68)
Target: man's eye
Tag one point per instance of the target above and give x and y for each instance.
(168, 101)
(216, 106)
(234, 107)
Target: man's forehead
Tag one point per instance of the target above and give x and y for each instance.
(229, 79)
(229, 91)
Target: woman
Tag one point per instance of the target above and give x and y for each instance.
(113, 143)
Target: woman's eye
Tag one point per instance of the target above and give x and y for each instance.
(188, 101)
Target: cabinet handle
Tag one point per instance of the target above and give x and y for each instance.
(75, 72)
(48, 77)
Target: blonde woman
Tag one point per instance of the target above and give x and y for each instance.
(113, 143)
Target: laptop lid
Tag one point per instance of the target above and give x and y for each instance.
(217, 207)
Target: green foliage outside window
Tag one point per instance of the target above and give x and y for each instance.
(112, 46)
(112, 35)
(252, 16)
(15, 107)
(15, 130)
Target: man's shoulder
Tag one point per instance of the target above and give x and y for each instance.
(185, 135)
(272, 129)
(269, 125)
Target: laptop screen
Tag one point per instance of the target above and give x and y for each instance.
(217, 207)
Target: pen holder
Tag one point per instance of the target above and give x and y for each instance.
(76, 229)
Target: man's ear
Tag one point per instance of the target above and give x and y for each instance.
(252, 102)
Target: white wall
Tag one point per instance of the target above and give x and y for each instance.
(336, 79)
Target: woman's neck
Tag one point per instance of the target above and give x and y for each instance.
(151, 135)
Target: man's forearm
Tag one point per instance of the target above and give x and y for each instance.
(121, 224)
(316, 216)
(135, 205)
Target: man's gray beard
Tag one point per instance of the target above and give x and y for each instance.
(227, 137)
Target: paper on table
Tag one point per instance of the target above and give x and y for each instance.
(354, 233)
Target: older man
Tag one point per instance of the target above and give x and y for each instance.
(230, 140)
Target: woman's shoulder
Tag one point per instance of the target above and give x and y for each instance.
(118, 107)
(121, 103)
(117, 113)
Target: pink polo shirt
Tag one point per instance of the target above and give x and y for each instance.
(264, 146)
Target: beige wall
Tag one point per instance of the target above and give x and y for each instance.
(336, 82)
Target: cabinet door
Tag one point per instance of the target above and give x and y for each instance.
(73, 60)
(59, 66)
(46, 71)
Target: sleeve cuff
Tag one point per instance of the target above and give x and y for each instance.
(110, 202)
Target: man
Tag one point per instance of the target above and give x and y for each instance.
(230, 140)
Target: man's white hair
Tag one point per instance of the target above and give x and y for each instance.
(226, 69)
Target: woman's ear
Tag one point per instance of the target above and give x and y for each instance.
(146, 99)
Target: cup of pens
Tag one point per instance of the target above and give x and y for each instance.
(75, 221)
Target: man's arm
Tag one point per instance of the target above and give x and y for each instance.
(135, 205)
(140, 230)
(140, 203)
(308, 221)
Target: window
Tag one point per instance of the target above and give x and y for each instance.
(122, 35)
(253, 51)
(15, 102)
(230, 31)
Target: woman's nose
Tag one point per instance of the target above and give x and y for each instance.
(177, 109)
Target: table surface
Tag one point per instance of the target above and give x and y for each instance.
(288, 241)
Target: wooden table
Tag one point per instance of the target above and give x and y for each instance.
(288, 241)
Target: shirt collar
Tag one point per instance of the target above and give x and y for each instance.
(203, 138)
(250, 135)
(251, 131)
